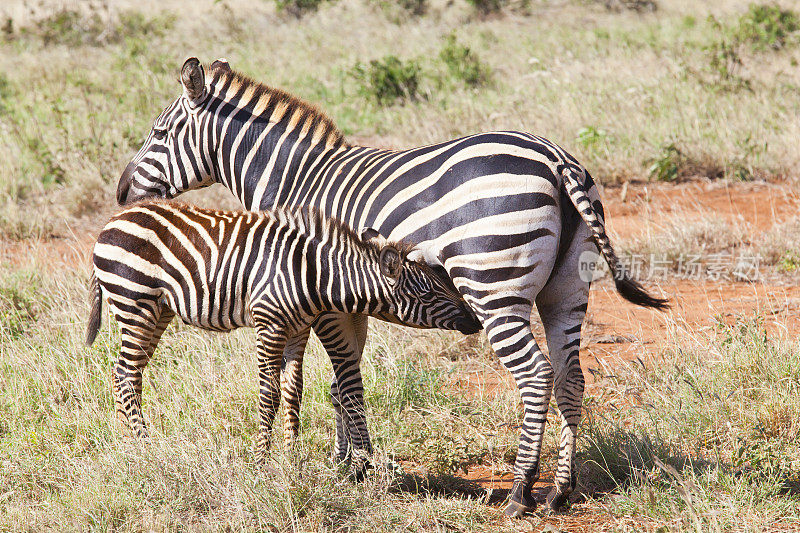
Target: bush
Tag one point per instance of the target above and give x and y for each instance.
(69, 28)
(767, 26)
(486, 7)
(388, 79)
(590, 136)
(462, 63)
(299, 7)
(400, 8)
(639, 6)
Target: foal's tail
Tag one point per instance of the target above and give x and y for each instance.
(95, 315)
(629, 288)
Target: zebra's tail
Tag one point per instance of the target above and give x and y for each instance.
(629, 288)
(95, 315)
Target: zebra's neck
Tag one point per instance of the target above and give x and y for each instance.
(349, 278)
(263, 138)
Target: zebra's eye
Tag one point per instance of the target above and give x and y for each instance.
(159, 133)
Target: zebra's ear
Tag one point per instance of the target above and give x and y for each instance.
(193, 79)
(221, 64)
(391, 262)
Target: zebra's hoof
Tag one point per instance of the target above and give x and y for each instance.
(556, 500)
(517, 510)
(359, 469)
(520, 501)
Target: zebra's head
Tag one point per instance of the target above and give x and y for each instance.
(421, 292)
(174, 158)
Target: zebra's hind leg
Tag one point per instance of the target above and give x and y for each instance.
(512, 340)
(292, 385)
(270, 346)
(139, 334)
(562, 307)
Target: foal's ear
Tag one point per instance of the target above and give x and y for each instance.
(193, 79)
(368, 234)
(371, 234)
(391, 262)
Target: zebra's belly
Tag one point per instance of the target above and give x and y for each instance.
(210, 311)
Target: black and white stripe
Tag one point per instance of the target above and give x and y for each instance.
(275, 271)
(508, 214)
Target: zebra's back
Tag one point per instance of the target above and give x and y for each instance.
(200, 263)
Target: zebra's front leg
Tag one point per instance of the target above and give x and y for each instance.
(270, 346)
(343, 337)
(292, 385)
(513, 342)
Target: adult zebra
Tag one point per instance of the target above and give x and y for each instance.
(508, 214)
(273, 270)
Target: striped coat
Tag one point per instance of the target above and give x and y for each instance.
(275, 271)
(509, 215)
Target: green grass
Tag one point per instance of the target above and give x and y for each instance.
(709, 438)
(720, 408)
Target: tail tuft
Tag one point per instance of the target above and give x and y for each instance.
(95, 315)
(632, 290)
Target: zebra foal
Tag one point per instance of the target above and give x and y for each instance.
(275, 271)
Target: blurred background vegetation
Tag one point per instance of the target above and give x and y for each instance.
(637, 89)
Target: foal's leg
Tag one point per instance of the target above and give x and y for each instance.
(343, 337)
(292, 384)
(140, 332)
(270, 346)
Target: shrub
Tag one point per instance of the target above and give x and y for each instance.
(767, 26)
(388, 79)
(591, 136)
(724, 63)
(399, 8)
(299, 7)
(462, 63)
(666, 165)
(70, 28)
(487, 7)
(639, 6)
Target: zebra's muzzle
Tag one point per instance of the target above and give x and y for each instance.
(125, 184)
(469, 325)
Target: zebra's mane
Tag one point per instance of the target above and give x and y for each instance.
(261, 99)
